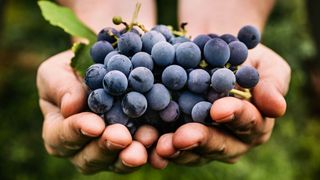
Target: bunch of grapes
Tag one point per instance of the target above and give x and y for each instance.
(165, 79)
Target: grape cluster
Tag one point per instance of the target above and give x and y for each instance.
(164, 80)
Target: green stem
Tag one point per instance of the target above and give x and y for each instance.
(244, 94)
(135, 16)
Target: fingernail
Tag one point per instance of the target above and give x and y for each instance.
(114, 146)
(87, 134)
(164, 164)
(127, 164)
(64, 98)
(226, 119)
(176, 154)
(190, 147)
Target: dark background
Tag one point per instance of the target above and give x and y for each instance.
(292, 153)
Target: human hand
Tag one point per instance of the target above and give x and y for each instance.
(246, 124)
(83, 137)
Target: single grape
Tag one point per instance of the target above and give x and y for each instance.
(201, 112)
(121, 63)
(134, 104)
(141, 79)
(247, 77)
(94, 76)
(132, 127)
(164, 30)
(223, 80)
(187, 100)
(115, 82)
(149, 39)
(109, 56)
(250, 36)
(201, 40)
(216, 52)
(180, 39)
(129, 43)
(174, 77)
(158, 97)
(163, 53)
(238, 53)
(198, 81)
(188, 55)
(228, 38)
(99, 50)
(142, 59)
(171, 112)
(134, 30)
(212, 95)
(115, 115)
(108, 34)
(99, 101)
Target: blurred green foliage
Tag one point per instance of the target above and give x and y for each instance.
(26, 40)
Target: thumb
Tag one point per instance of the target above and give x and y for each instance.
(58, 84)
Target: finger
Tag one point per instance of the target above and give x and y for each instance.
(63, 137)
(274, 80)
(241, 117)
(58, 84)
(165, 147)
(101, 154)
(131, 158)
(146, 135)
(210, 142)
(157, 161)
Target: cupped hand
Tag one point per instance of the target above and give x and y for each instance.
(245, 124)
(83, 137)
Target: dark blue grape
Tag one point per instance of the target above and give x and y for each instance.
(223, 80)
(142, 59)
(109, 56)
(212, 35)
(201, 112)
(188, 55)
(134, 104)
(141, 79)
(187, 100)
(201, 40)
(99, 50)
(216, 52)
(163, 54)
(212, 95)
(198, 81)
(115, 115)
(158, 97)
(164, 30)
(121, 63)
(238, 53)
(115, 82)
(132, 127)
(174, 77)
(170, 113)
(228, 38)
(180, 39)
(250, 36)
(134, 30)
(247, 77)
(108, 34)
(176, 46)
(211, 71)
(149, 39)
(99, 101)
(129, 43)
(94, 76)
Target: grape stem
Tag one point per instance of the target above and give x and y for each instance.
(246, 94)
(135, 16)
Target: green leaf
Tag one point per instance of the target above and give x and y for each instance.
(81, 60)
(65, 19)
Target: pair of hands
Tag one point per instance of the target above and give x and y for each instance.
(91, 146)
